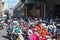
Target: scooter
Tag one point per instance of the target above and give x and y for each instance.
(14, 36)
(11, 37)
(17, 36)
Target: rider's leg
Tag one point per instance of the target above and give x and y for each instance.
(21, 37)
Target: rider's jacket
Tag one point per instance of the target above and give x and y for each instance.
(17, 30)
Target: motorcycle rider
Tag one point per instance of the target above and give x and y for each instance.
(17, 29)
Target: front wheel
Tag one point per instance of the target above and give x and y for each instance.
(11, 38)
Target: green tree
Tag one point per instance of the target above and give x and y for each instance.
(0, 0)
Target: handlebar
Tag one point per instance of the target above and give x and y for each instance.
(18, 33)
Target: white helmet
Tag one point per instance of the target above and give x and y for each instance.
(8, 20)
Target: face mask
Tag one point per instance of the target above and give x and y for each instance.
(35, 33)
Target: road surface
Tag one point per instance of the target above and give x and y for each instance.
(3, 34)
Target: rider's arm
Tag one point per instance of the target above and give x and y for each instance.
(21, 32)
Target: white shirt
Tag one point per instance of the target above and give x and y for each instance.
(51, 26)
(44, 25)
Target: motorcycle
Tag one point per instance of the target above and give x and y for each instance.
(18, 36)
(11, 37)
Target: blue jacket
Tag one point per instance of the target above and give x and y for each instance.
(17, 30)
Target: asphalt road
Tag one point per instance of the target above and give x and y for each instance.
(3, 34)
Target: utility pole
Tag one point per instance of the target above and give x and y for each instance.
(9, 11)
(45, 9)
(44, 12)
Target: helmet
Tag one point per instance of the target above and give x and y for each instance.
(9, 20)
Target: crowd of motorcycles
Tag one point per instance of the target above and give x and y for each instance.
(15, 36)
